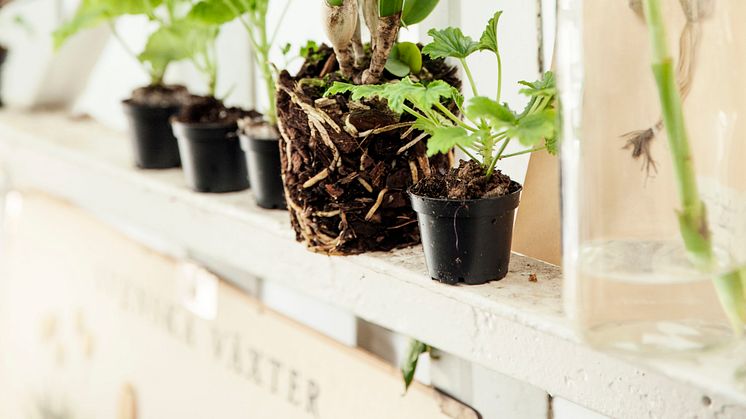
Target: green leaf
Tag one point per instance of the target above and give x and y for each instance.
(552, 145)
(405, 58)
(488, 41)
(450, 42)
(218, 12)
(532, 129)
(415, 11)
(334, 3)
(363, 91)
(546, 86)
(91, 13)
(498, 115)
(179, 41)
(445, 139)
(389, 7)
(409, 366)
(286, 48)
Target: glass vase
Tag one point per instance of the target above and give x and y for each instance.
(633, 279)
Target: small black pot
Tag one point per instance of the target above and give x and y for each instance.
(212, 157)
(3, 56)
(153, 141)
(468, 240)
(265, 172)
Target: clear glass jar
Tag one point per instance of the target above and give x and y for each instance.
(630, 282)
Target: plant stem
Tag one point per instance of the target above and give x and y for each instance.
(155, 77)
(519, 153)
(692, 215)
(453, 117)
(467, 70)
(471, 156)
(499, 75)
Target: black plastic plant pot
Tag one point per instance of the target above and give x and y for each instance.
(153, 141)
(212, 157)
(265, 173)
(467, 241)
(3, 56)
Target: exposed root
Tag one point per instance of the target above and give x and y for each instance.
(424, 165)
(318, 126)
(412, 143)
(377, 205)
(327, 214)
(387, 128)
(365, 184)
(413, 170)
(316, 179)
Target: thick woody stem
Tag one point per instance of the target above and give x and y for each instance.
(341, 23)
(387, 32)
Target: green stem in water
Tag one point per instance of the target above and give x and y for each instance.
(693, 214)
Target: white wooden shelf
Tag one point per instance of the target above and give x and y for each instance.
(514, 326)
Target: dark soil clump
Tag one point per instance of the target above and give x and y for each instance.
(347, 165)
(157, 96)
(209, 110)
(468, 181)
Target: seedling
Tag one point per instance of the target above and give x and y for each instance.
(176, 37)
(489, 126)
(384, 18)
(252, 14)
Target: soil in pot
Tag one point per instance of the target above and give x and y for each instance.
(347, 165)
(261, 145)
(208, 142)
(3, 56)
(149, 111)
(466, 222)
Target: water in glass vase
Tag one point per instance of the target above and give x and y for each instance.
(645, 297)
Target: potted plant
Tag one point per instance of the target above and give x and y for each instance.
(258, 135)
(348, 163)
(150, 107)
(206, 128)
(466, 215)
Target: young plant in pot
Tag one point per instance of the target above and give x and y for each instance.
(347, 163)
(259, 136)
(206, 128)
(150, 107)
(466, 216)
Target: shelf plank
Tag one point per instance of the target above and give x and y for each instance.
(513, 326)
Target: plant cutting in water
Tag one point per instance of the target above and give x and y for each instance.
(488, 126)
(692, 215)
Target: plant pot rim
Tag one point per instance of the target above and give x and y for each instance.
(131, 103)
(511, 195)
(205, 126)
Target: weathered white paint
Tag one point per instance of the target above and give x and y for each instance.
(514, 327)
(492, 394)
(563, 409)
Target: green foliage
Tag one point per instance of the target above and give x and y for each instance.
(405, 59)
(409, 366)
(415, 11)
(179, 41)
(488, 125)
(445, 139)
(397, 93)
(450, 42)
(390, 7)
(92, 13)
(488, 41)
(334, 3)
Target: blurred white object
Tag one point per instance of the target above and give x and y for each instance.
(34, 74)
